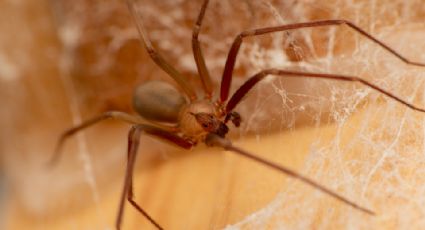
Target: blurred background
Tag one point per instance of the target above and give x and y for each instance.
(65, 61)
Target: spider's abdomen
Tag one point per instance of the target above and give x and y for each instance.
(158, 101)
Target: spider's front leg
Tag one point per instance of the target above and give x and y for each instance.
(133, 145)
(226, 80)
(252, 81)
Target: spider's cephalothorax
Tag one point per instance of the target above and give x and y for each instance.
(160, 102)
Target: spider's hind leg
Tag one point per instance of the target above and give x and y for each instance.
(121, 116)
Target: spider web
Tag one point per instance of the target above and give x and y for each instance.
(371, 150)
(385, 147)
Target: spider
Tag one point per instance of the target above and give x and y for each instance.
(182, 117)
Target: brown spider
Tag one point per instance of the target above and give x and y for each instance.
(185, 119)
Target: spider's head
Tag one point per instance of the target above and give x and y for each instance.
(211, 123)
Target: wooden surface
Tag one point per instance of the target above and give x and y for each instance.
(210, 189)
(369, 149)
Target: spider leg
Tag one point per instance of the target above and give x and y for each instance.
(156, 57)
(215, 140)
(233, 52)
(197, 53)
(252, 81)
(133, 145)
(68, 133)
